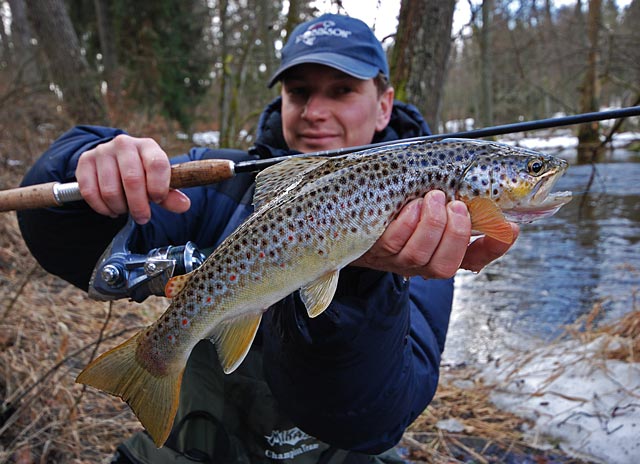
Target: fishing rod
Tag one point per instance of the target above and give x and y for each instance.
(203, 172)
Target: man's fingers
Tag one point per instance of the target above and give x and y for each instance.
(430, 238)
(427, 234)
(176, 202)
(157, 170)
(87, 177)
(400, 230)
(133, 181)
(125, 174)
(452, 247)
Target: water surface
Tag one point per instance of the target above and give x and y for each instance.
(560, 267)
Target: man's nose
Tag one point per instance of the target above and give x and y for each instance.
(316, 107)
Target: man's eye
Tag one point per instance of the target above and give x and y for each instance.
(344, 90)
(296, 91)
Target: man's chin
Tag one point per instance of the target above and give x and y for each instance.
(324, 144)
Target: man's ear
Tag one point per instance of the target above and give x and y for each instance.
(385, 105)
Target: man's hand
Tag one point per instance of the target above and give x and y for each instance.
(126, 174)
(430, 238)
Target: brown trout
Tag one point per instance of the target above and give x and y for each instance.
(313, 216)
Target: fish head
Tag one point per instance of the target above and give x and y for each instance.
(518, 180)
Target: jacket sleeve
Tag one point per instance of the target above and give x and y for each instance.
(357, 375)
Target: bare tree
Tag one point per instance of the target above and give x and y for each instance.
(420, 54)
(24, 53)
(224, 102)
(107, 37)
(486, 65)
(68, 67)
(589, 134)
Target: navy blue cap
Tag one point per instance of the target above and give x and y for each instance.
(342, 42)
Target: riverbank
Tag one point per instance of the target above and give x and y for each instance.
(576, 399)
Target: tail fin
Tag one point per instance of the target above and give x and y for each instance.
(153, 399)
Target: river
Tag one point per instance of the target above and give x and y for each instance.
(560, 267)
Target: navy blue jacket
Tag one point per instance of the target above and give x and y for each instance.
(354, 377)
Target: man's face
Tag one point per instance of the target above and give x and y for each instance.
(324, 109)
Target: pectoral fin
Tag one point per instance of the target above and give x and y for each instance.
(318, 294)
(233, 340)
(487, 218)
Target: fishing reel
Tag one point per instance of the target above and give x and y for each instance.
(123, 274)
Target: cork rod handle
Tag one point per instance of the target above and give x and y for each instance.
(189, 174)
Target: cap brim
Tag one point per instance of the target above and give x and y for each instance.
(355, 68)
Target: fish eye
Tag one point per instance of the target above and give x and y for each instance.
(535, 166)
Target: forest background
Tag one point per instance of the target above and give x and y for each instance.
(202, 65)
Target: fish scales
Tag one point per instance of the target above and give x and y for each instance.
(337, 215)
(329, 213)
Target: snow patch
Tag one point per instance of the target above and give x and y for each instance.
(575, 394)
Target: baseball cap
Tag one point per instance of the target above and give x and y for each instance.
(342, 42)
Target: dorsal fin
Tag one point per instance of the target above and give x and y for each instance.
(277, 179)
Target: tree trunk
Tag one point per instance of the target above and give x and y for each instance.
(293, 18)
(486, 65)
(4, 48)
(420, 54)
(69, 69)
(24, 57)
(107, 37)
(589, 134)
(224, 103)
(266, 20)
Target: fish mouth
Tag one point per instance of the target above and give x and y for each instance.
(541, 202)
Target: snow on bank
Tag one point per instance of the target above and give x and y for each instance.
(567, 141)
(576, 395)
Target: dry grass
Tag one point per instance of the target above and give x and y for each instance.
(48, 332)
(622, 337)
(48, 329)
(487, 435)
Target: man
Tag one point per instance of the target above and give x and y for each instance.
(338, 388)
